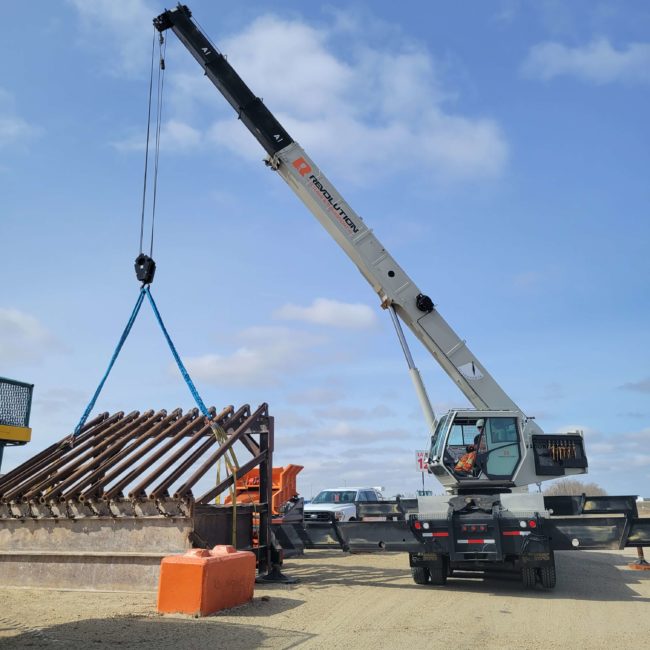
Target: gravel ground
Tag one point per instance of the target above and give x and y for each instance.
(360, 601)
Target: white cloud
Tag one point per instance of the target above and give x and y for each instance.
(319, 395)
(597, 62)
(323, 311)
(392, 467)
(354, 114)
(611, 456)
(642, 386)
(122, 27)
(59, 400)
(528, 279)
(275, 55)
(174, 136)
(23, 338)
(267, 354)
(13, 128)
(353, 413)
(373, 104)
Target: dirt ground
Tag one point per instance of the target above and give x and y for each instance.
(360, 601)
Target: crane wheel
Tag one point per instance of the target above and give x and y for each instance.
(420, 575)
(439, 575)
(529, 576)
(547, 576)
(440, 572)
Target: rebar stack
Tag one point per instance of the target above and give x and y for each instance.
(141, 464)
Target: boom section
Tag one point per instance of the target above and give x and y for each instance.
(380, 269)
(250, 109)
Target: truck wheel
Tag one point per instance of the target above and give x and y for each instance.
(439, 575)
(547, 576)
(420, 575)
(529, 576)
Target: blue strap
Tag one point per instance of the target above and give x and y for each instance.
(181, 367)
(125, 333)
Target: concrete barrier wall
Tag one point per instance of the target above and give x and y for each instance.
(112, 554)
(119, 534)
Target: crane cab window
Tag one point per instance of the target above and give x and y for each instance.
(462, 434)
(463, 439)
(502, 430)
(497, 451)
(437, 442)
(502, 444)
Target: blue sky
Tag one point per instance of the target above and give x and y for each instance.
(500, 151)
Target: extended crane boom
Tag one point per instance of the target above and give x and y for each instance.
(384, 274)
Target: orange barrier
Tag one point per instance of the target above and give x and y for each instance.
(204, 581)
(283, 488)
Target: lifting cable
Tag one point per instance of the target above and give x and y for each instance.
(145, 269)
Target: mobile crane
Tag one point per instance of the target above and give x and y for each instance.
(487, 519)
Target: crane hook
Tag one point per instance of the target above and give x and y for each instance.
(145, 268)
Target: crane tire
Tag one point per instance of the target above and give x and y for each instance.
(439, 575)
(547, 576)
(420, 575)
(529, 576)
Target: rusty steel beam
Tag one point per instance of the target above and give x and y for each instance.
(67, 460)
(162, 488)
(98, 478)
(87, 476)
(10, 478)
(176, 431)
(53, 485)
(139, 491)
(205, 430)
(71, 456)
(186, 488)
(230, 480)
(46, 457)
(71, 487)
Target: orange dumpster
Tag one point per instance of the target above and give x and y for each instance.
(204, 581)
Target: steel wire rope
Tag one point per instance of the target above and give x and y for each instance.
(162, 48)
(146, 149)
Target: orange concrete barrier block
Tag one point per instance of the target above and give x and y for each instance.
(203, 581)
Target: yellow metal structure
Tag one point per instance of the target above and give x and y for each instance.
(15, 434)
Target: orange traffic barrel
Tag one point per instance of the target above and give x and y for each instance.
(204, 581)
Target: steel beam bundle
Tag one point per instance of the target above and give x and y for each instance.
(139, 464)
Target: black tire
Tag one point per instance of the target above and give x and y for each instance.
(529, 576)
(420, 575)
(547, 576)
(439, 575)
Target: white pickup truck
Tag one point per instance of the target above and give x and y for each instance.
(341, 502)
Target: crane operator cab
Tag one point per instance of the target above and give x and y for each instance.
(498, 450)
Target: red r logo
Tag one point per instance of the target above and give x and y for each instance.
(302, 166)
